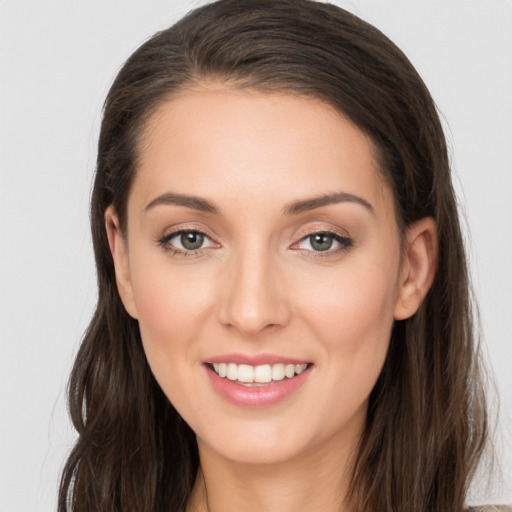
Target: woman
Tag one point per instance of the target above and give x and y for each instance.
(284, 319)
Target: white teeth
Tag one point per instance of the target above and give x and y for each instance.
(260, 374)
(263, 373)
(245, 373)
(299, 368)
(232, 373)
(278, 371)
(289, 370)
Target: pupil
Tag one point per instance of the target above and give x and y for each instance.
(191, 240)
(321, 242)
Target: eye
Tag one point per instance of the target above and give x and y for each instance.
(186, 241)
(323, 241)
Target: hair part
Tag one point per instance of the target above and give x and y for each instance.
(426, 422)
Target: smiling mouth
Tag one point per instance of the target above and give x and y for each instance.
(265, 374)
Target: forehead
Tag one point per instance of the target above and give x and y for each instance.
(243, 144)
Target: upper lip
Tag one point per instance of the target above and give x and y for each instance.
(255, 359)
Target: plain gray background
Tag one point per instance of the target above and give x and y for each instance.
(57, 60)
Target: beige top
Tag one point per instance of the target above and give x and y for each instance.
(490, 508)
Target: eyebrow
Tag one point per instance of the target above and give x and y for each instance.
(194, 202)
(293, 208)
(305, 205)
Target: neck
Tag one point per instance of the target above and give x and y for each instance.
(318, 480)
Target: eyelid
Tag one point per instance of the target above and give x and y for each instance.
(341, 237)
(164, 239)
(344, 240)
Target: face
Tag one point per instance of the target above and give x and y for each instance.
(263, 263)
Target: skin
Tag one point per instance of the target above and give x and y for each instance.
(258, 286)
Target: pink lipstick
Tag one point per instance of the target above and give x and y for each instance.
(256, 381)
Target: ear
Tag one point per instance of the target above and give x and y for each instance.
(119, 253)
(418, 268)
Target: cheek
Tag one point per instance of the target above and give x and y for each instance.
(167, 296)
(354, 327)
(352, 315)
(353, 307)
(172, 311)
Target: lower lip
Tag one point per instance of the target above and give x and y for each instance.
(256, 396)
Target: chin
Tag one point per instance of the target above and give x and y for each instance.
(257, 448)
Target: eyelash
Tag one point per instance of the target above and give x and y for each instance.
(345, 243)
(164, 242)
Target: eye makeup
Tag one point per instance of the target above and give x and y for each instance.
(322, 243)
(191, 241)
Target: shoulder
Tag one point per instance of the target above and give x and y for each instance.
(490, 508)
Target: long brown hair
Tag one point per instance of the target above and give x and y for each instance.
(426, 422)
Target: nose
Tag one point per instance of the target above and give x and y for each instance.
(254, 293)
